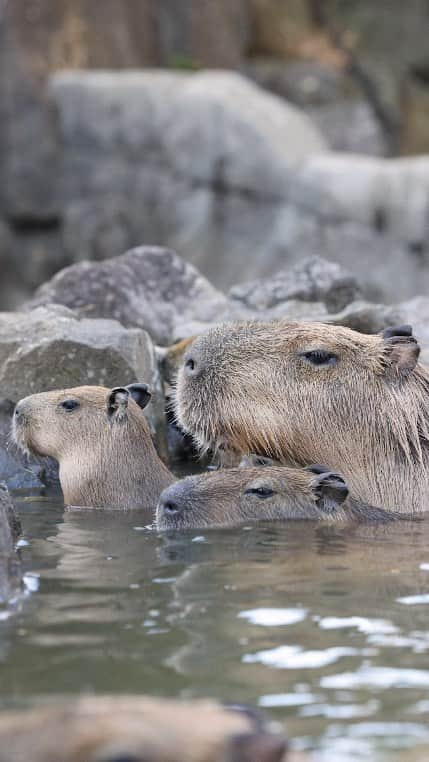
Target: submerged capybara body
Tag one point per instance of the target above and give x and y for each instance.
(139, 729)
(101, 440)
(262, 493)
(305, 393)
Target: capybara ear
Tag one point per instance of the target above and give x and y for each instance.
(117, 403)
(248, 461)
(401, 348)
(257, 747)
(330, 490)
(317, 468)
(399, 330)
(140, 394)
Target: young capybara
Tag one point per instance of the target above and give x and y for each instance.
(139, 729)
(276, 493)
(309, 392)
(101, 440)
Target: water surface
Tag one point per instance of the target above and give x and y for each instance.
(325, 628)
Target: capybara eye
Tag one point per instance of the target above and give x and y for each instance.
(319, 357)
(69, 405)
(124, 758)
(261, 492)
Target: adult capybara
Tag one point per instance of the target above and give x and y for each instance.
(232, 496)
(305, 393)
(139, 729)
(101, 440)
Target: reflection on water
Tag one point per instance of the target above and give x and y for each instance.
(325, 628)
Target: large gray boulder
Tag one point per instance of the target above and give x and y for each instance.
(200, 162)
(10, 577)
(147, 287)
(313, 279)
(236, 180)
(51, 348)
(37, 38)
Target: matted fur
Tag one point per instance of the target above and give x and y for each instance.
(366, 417)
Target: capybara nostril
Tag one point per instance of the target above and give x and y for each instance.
(170, 507)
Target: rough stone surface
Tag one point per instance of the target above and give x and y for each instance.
(329, 96)
(147, 287)
(368, 317)
(311, 280)
(38, 37)
(9, 564)
(51, 348)
(234, 179)
(200, 162)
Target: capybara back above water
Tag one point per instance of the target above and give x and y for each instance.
(101, 440)
(310, 392)
(139, 729)
(229, 497)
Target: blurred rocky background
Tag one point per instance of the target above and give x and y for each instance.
(244, 134)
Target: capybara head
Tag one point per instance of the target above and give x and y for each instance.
(232, 496)
(139, 729)
(101, 440)
(306, 392)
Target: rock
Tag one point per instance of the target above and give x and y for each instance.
(311, 280)
(147, 287)
(234, 179)
(330, 97)
(367, 317)
(302, 82)
(184, 159)
(51, 348)
(350, 126)
(369, 214)
(10, 577)
(38, 37)
(374, 318)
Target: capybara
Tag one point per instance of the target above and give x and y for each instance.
(309, 392)
(101, 440)
(260, 493)
(139, 729)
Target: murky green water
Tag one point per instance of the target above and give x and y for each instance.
(327, 629)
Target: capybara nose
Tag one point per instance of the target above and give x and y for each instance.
(192, 365)
(19, 412)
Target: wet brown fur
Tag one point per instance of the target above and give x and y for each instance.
(366, 417)
(104, 729)
(224, 498)
(103, 462)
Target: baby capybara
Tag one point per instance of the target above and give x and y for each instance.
(102, 441)
(234, 496)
